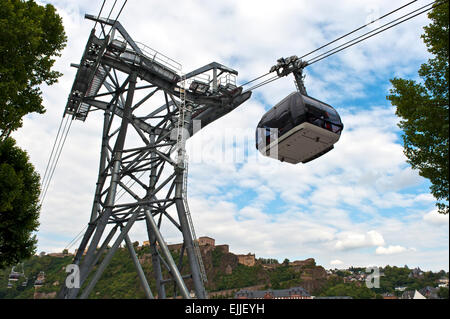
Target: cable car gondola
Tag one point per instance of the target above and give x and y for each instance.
(15, 275)
(298, 129)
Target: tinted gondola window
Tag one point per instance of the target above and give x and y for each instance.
(284, 123)
(331, 112)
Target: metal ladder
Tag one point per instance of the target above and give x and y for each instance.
(183, 163)
(181, 139)
(191, 225)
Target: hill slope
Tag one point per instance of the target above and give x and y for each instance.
(119, 280)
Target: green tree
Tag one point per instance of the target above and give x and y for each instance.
(423, 109)
(350, 289)
(19, 204)
(30, 36)
(443, 292)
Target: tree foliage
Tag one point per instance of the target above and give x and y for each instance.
(351, 290)
(423, 109)
(443, 292)
(30, 35)
(19, 204)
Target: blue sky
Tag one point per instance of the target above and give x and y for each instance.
(359, 205)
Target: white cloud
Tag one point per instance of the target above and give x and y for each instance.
(434, 218)
(353, 240)
(336, 262)
(389, 250)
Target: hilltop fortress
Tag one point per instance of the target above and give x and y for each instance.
(207, 244)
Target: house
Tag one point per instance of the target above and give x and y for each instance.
(443, 282)
(291, 293)
(430, 292)
(416, 273)
(410, 294)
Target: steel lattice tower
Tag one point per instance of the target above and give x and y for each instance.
(143, 167)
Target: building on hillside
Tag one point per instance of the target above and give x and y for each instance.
(389, 296)
(416, 273)
(443, 282)
(412, 294)
(302, 263)
(204, 241)
(85, 251)
(291, 293)
(247, 260)
(430, 292)
(207, 244)
(147, 243)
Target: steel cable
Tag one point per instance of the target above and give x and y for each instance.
(372, 33)
(358, 39)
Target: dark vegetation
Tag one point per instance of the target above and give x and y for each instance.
(120, 279)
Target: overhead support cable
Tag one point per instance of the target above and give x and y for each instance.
(376, 31)
(54, 161)
(76, 238)
(259, 77)
(51, 154)
(356, 40)
(100, 12)
(357, 29)
(273, 78)
(114, 4)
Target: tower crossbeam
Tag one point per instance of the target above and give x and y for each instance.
(147, 102)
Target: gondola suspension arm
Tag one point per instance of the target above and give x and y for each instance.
(294, 65)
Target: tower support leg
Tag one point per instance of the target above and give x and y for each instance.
(142, 278)
(101, 268)
(187, 237)
(168, 256)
